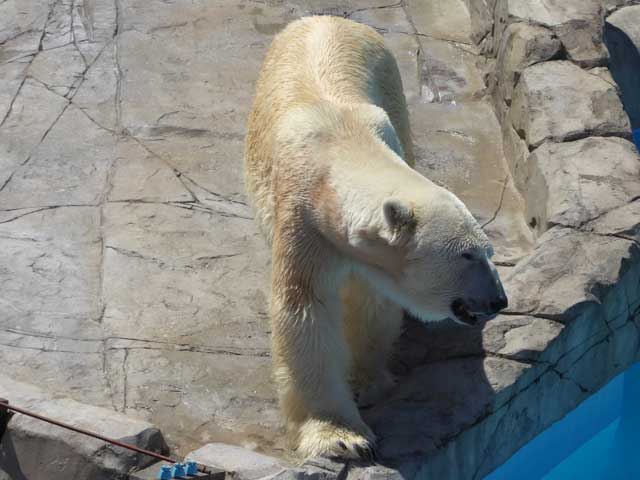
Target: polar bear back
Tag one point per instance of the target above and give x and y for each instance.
(314, 60)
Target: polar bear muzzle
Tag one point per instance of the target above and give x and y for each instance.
(484, 297)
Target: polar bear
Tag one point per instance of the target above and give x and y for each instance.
(356, 234)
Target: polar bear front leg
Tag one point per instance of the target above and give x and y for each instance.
(311, 364)
(372, 326)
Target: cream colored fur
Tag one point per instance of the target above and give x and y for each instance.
(355, 231)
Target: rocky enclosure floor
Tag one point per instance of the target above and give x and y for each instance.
(132, 276)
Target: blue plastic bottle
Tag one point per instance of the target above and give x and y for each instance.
(192, 467)
(179, 471)
(165, 472)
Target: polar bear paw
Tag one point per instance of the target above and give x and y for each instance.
(329, 439)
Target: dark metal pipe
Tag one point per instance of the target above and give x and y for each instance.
(5, 405)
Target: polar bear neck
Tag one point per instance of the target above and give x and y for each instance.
(360, 172)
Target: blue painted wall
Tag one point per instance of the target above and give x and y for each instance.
(597, 441)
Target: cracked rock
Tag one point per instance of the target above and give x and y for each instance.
(59, 69)
(68, 166)
(247, 464)
(622, 35)
(481, 14)
(21, 27)
(559, 101)
(590, 263)
(30, 115)
(622, 222)
(573, 182)
(133, 277)
(577, 23)
(137, 175)
(96, 96)
(454, 72)
(34, 449)
(522, 45)
(441, 19)
(532, 338)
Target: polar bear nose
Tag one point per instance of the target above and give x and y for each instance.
(499, 304)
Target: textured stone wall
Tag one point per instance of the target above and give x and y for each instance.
(573, 321)
(566, 137)
(133, 278)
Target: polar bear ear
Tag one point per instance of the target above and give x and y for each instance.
(399, 219)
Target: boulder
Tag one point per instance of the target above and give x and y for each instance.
(612, 5)
(622, 36)
(623, 222)
(570, 272)
(577, 23)
(559, 101)
(522, 45)
(441, 19)
(247, 464)
(31, 448)
(481, 13)
(571, 183)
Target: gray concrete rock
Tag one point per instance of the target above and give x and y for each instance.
(559, 101)
(133, 277)
(32, 105)
(451, 71)
(248, 465)
(590, 263)
(21, 28)
(522, 45)
(621, 222)
(60, 69)
(68, 166)
(611, 5)
(605, 74)
(527, 341)
(441, 19)
(582, 40)
(460, 147)
(481, 13)
(516, 151)
(573, 182)
(33, 449)
(622, 36)
(577, 23)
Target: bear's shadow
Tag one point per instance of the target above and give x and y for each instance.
(442, 389)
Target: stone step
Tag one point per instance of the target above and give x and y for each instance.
(33, 449)
(152, 473)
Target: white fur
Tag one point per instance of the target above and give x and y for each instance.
(356, 234)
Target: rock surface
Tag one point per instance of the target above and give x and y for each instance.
(622, 36)
(577, 23)
(570, 183)
(33, 449)
(522, 45)
(558, 101)
(134, 279)
(247, 464)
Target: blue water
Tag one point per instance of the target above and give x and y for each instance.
(599, 440)
(636, 137)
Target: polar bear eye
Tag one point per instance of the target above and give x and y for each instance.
(467, 256)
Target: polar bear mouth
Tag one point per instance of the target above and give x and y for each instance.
(463, 314)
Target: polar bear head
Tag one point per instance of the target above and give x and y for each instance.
(440, 258)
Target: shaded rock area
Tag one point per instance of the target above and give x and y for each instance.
(622, 36)
(134, 279)
(573, 182)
